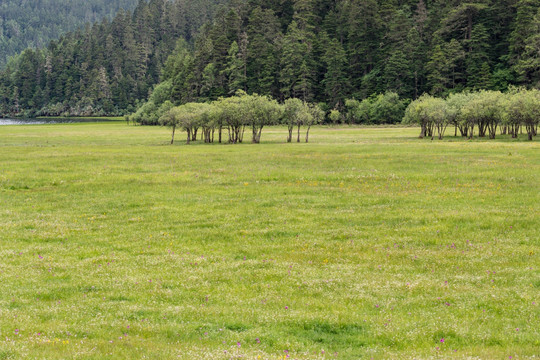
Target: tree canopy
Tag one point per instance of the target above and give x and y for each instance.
(315, 50)
(33, 24)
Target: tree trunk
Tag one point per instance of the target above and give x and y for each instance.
(289, 138)
(188, 136)
(493, 130)
(482, 129)
(255, 134)
(298, 138)
(307, 134)
(173, 131)
(441, 128)
(241, 130)
(206, 135)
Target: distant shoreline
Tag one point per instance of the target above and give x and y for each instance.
(56, 120)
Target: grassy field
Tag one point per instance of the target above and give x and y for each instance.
(104, 118)
(365, 243)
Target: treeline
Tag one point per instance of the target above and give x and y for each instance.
(105, 69)
(319, 51)
(226, 120)
(484, 111)
(329, 51)
(232, 115)
(33, 24)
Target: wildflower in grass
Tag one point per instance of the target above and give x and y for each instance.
(442, 340)
(239, 345)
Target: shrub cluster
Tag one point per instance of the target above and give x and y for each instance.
(483, 111)
(232, 116)
(387, 108)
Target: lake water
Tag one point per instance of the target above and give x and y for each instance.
(49, 121)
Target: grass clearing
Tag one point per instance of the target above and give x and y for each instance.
(364, 243)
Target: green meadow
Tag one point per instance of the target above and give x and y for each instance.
(366, 243)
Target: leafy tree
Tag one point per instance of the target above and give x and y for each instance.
(335, 116)
(234, 117)
(524, 109)
(482, 111)
(317, 117)
(189, 116)
(455, 103)
(170, 118)
(295, 114)
(421, 112)
(385, 108)
(263, 111)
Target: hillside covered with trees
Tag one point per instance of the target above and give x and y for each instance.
(33, 24)
(319, 51)
(105, 68)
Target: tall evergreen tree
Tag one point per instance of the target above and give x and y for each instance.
(335, 80)
(528, 64)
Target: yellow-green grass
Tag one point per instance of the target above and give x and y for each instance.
(104, 118)
(364, 243)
